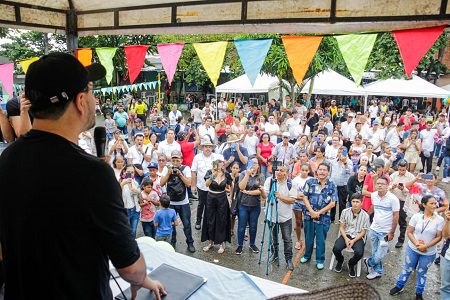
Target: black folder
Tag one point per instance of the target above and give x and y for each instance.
(179, 284)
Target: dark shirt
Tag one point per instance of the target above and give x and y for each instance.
(253, 184)
(227, 153)
(354, 186)
(311, 123)
(161, 130)
(61, 218)
(218, 186)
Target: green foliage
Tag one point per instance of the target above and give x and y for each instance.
(385, 58)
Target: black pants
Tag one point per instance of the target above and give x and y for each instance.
(426, 162)
(286, 234)
(358, 249)
(402, 222)
(202, 195)
(342, 196)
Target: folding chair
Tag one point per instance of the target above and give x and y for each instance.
(358, 265)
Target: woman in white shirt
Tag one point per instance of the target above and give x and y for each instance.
(424, 232)
(130, 192)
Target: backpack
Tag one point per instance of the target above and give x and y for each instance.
(176, 189)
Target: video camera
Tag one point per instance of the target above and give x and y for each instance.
(275, 165)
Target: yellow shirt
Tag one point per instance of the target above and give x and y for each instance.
(146, 141)
(333, 110)
(230, 105)
(141, 108)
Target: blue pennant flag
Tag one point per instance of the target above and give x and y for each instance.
(252, 54)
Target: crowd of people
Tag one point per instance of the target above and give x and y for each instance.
(368, 172)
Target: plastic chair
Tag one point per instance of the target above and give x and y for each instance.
(358, 265)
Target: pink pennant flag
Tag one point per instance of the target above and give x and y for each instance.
(135, 60)
(415, 43)
(170, 54)
(6, 77)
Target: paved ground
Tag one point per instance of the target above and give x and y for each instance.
(306, 276)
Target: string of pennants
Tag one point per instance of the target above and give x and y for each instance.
(413, 44)
(128, 88)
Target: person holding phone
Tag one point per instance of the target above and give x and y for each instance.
(424, 232)
(386, 208)
(130, 192)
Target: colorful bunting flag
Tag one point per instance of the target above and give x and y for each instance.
(170, 54)
(24, 64)
(415, 43)
(84, 55)
(106, 59)
(252, 54)
(300, 51)
(135, 60)
(6, 77)
(211, 56)
(355, 49)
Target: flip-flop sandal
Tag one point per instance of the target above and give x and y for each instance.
(298, 245)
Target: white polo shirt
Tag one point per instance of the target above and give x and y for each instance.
(284, 209)
(166, 148)
(384, 208)
(201, 164)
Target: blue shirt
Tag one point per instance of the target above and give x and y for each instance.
(227, 153)
(162, 132)
(319, 197)
(164, 217)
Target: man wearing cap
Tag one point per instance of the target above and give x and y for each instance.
(178, 178)
(285, 151)
(160, 129)
(235, 152)
(401, 181)
(71, 258)
(169, 144)
(201, 164)
(139, 127)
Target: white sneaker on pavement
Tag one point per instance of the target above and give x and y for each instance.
(445, 180)
(373, 275)
(437, 168)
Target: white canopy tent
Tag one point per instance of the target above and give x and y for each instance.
(446, 87)
(330, 82)
(415, 87)
(242, 85)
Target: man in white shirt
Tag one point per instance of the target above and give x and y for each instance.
(200, 165)
(250, 140)
(222, 106)
(386, 208)
(346, 129)
(427, 137)
(376, 137)
(196, 113)
(173, 116)
(292, 125)
(139, 153)
(272, 129)
(284, 222)
(207, 131)
(373, 110)
(169, 144)
(394, 136)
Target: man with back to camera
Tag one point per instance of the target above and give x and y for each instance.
(69, 259)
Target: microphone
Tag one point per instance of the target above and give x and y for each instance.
(100, 140)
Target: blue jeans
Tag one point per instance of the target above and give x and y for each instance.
(379, 250)
(319, 232)
(184, 211)
(445, 278)
(437, 149)
(441, 156)
(133, 219)
(149, 229)
(248, 215)
(419, 262)
(446, 170)
(265, 172)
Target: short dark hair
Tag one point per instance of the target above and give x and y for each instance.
(164, 200)
(324, 164)
(358, 196)
(383, 178)
(146, 182)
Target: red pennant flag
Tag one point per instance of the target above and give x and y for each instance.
(415, 43)
(135, 60)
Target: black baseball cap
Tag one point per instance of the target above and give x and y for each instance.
(58, 77)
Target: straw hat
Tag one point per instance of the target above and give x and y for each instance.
(232, 138)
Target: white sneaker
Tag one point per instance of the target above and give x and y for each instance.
(446, 180)
(373, 275)
(437, 168)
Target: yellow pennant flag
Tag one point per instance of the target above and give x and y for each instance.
(85, 56)
(300, 51)
(211, 56)
(26, 63)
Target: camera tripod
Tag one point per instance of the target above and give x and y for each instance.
(270, 223)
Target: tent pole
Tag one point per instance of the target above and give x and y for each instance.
(365, 103)
(72, 30)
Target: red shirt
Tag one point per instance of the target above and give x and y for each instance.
(187, 149)
(266, 151)
(229, 120)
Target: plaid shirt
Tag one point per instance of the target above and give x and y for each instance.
(320, 197)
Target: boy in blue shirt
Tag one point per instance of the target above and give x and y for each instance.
(165, 220)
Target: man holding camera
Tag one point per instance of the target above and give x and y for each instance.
(178, 178)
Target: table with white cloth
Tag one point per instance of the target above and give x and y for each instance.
(222, 283)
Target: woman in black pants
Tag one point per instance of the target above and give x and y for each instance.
(216, 227)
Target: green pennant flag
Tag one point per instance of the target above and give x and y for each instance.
(105, 56)
(355, 49)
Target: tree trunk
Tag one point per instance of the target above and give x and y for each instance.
(311, 87)
(280, 88)
(292, 91)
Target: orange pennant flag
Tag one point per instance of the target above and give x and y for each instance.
(300, 51)
(85, 56)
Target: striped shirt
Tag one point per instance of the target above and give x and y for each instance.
(354, 224)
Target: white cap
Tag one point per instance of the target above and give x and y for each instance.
(286, 134)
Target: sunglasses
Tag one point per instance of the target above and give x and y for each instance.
(161, 160)
(285, 137)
